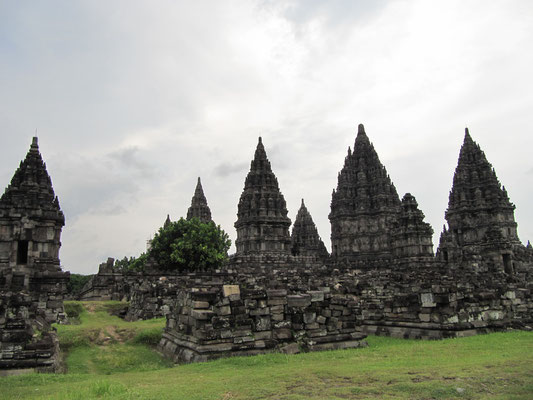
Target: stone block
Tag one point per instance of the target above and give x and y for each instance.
(309, 318)
(224, 310)
(262, 323)
(282, 334)
(316, 296)
(302, 300)
(276, 293)
(200, 304)
(260, 311)
(427, 300)
(202, 314)
(424, 317)
(277, 317)
(282, 324)
(263, 335)
(291, 348)
(229, 290)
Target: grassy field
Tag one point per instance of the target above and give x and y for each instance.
(110, 358)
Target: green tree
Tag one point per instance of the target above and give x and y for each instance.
(76, 283)
(130, 265)
(190, 245)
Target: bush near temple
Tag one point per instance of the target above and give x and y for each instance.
(190, 245)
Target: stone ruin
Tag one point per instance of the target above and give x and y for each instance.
(32, 284)
(283, 291)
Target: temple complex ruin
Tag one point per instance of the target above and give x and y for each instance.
(282, 290)
(381, 278)
(32, 284)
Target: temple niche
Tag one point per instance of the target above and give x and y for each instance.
(480, 215)
(199, 208)
(32, 284)
(364, 207)
(262, 222)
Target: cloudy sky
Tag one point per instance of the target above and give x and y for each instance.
(133, 100)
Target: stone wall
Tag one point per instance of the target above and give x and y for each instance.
(224, 320)
(28, 305)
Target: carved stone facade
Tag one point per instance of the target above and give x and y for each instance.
(480, 215)
(411, 236)
(199, 208)
(262, 223)
(32, 284)
(364, 207)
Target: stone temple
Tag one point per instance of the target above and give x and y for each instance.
(31, 281)
(262, 223)
(199, 208)
(364, 207)
(282, 290)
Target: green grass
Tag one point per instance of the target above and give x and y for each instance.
(102, 344)
(495, 366)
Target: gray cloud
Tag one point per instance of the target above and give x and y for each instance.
(227, 168)
(132, 102)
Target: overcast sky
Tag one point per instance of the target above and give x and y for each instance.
(133, 100)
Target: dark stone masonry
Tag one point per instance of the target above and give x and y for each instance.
(199, 208)
(283, 291)
(32, 284)
(382, 277)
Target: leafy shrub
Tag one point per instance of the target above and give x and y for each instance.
(73, 309)
(190, 245)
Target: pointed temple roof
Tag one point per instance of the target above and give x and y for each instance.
(479, 210)
(475, 184)
(364, 207)
(305, 238)
(199, 208)
(167, 221)
(262, 208)
(363, 187)
(261, 192)
(30, 191)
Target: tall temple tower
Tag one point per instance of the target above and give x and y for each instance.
(32, 284)
(480, 215)
(199, 208)
(262, 223)
(364, 207)
(305, 239)
(30, 218)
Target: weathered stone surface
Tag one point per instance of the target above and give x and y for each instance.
(262, 224)
(32, 284)
(364, 207)
(305, 240)
(199, 208)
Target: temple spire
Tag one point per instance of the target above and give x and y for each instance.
(364, 195)
(479, 210)
(167, 221)
(305, 240)
(31, 187)
(262, 223)
(199, 208)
